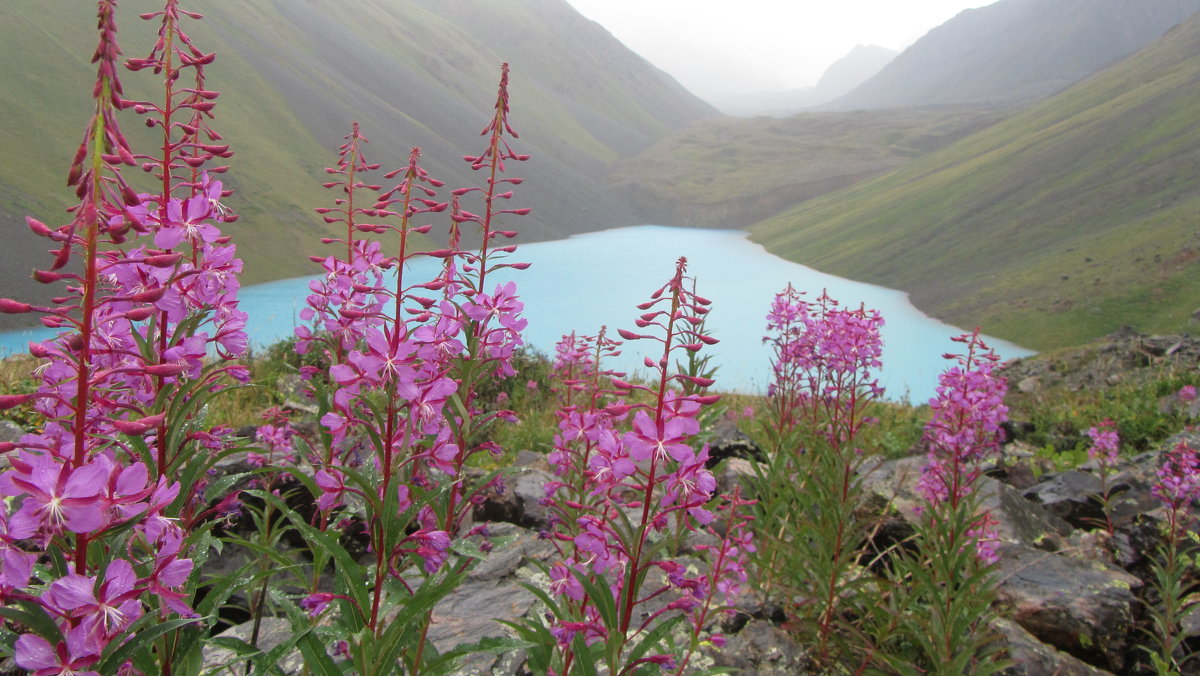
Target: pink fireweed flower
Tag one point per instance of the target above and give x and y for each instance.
(987, 541)
(112, 604)
(57, 496)
(1105, 443)
(593, 631)
(185, 223)
(1187, 394)
(316, 603)
(659, 439)
(963, 433)
(966, 426)
(1178, 483)
(69, 658)
(564, 582)
(432, 546)
(332, 486)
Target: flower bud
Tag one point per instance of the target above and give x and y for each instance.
(12, 307)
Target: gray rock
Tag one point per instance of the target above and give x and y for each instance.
(296, 396)
(1020, 521)
(503, 562)
(520, 503)
(763, 649)
(736, 473)
(470, 612)
(1083, 607)
(1073, 496)
(1031, 657)
(10, 431)
(730, 442)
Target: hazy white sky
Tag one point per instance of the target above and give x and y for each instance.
(721, 48)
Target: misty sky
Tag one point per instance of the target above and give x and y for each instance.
(722, 48)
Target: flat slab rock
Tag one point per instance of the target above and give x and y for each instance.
(1019, 520)
(1083, 607)
(1031, 657)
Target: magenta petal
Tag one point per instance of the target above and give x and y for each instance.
(89, 480)
(34, 652)
(175, 573)
(82, 515)
(18, 566)
(73, 591)
(168, 237)
(132, 479)
(118, 578)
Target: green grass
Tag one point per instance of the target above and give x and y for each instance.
(730, 172)
(996, 229)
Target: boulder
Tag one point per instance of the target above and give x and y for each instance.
(10, 431)
(1072, 496)
(521, 502)
(892, 485)
(1084, 607)
(1030, 657)
(763, 649)
(272, 632)
(727, 441)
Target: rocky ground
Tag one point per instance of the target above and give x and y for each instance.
(1071, 599)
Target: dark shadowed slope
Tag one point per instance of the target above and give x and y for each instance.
(294, 74)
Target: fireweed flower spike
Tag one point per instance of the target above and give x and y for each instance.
(1103, 451)
(1177, 487)
(809, 508)
(80, 487)
(399, 400)
(964, 433)
(619, 491)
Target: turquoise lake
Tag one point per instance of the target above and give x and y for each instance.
(581, 283)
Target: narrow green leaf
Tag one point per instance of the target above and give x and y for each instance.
(35, 617)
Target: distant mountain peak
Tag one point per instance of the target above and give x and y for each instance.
(856, 67)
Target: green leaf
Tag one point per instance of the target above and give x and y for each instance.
(138, 638)
(32, 615)
(349, 571)
(315, 657)
(652, 639)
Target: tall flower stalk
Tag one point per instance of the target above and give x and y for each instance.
(824, 357)
(398, 405)
(122, 390)
(1177, 487)
(944, 587)
(615, 594)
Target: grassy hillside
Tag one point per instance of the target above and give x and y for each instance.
(1056, 225)
(294, 75)
(1016, 50)
(731, 172)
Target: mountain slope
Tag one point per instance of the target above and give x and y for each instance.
(294, 75)
(1058, 224)
(732, 172)
(1016, 50)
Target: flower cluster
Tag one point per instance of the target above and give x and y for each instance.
(627, 472)
(823, 360)
(399, 399)
(965, 432)
(94, 489)
(1178, 484)
(1105, 443)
